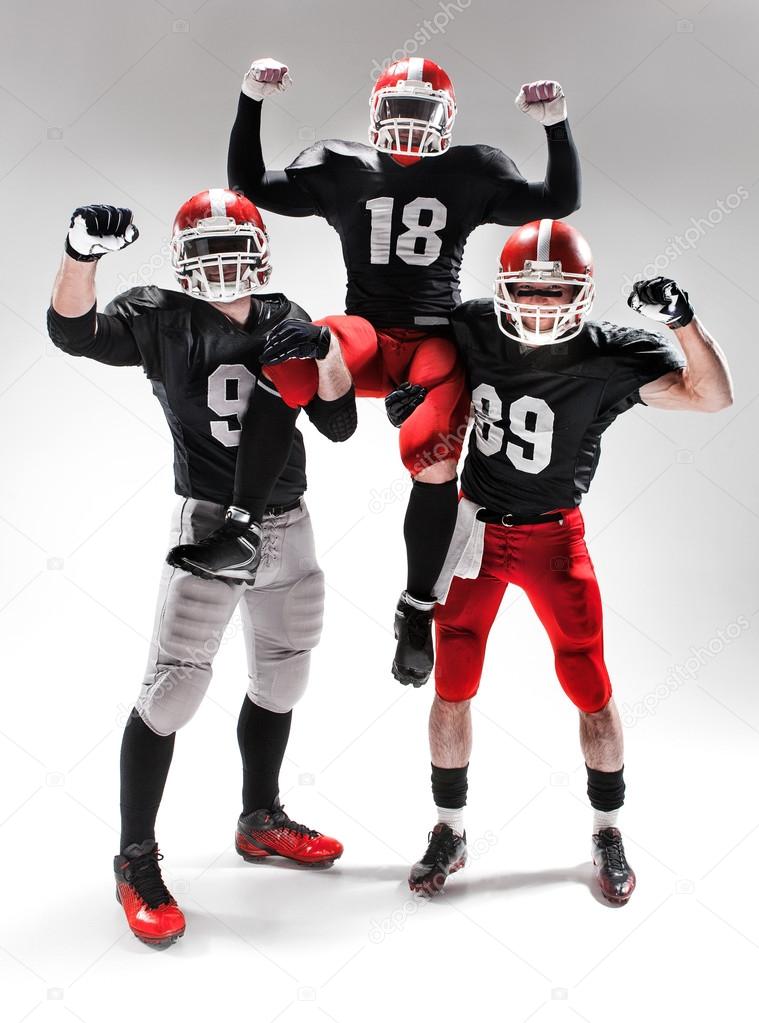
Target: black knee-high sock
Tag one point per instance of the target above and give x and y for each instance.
(427, 529)
(145, 761)
(262, 735)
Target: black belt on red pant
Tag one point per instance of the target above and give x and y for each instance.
(518, 520)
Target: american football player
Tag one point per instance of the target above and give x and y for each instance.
(403, 207)
(199, 348)
(545, 383)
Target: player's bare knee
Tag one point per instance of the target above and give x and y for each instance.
(453, 708)
(438, 472)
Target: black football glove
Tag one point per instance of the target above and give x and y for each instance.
(95, 230)
(295, 339)
(662, 300)
(401, 402)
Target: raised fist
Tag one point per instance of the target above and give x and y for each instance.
(265, 77)
(661, 299)
(544, 102)
(96, 229)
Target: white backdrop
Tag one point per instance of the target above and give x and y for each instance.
(132, 105)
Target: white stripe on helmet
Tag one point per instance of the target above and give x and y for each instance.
(544, 241)
(415, 69)
(218, 202)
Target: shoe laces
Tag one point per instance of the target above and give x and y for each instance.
(614, 850)
(144, 875)
(418, 624)
(442, 841)
(279, 819)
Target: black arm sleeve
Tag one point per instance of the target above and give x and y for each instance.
(268, 429)
(336, 419)
(555, 197)
(246, 172)
(106, 339)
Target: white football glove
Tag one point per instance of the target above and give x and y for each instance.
(662, 300)
(97, 229)
(544, 102)
(265, 77)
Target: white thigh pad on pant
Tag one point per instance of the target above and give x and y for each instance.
(191, 616)
(283, 620)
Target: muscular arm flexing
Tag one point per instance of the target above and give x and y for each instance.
(704, 384)
(74, 325)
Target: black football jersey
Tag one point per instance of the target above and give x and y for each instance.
(403, 228)
(203, 369)
(539, 413)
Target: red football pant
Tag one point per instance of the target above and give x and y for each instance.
(550, 562)
(379, 360)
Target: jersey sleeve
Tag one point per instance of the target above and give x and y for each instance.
(638, 357)
(313, 173)
(99, 336)
(246, 171)
(515, 201)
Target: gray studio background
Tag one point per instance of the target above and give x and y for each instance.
(132, 104)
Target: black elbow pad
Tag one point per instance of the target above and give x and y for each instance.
(71, 333)
(336, 419)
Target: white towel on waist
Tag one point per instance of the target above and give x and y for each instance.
(464, 556)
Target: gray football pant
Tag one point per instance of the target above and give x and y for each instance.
(281, 614)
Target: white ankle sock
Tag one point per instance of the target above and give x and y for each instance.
(604, 819)
(454, 818)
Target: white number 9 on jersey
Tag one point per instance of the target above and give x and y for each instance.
(530, 419)
(229, 391)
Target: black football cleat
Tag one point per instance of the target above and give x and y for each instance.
(614, 874)
(414, 657)
(270, 832)
(151, 911)
(445, 854)
(231, 552)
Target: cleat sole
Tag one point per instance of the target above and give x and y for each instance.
(408, 680)
(435, 886)
(264, 854)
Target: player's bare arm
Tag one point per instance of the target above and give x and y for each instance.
(94, 230)
(704, 384)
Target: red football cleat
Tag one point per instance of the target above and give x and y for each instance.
(265, 833)
(151, 912)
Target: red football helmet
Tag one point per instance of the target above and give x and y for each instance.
(542, 255)
(412, 109)
(219, 246)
